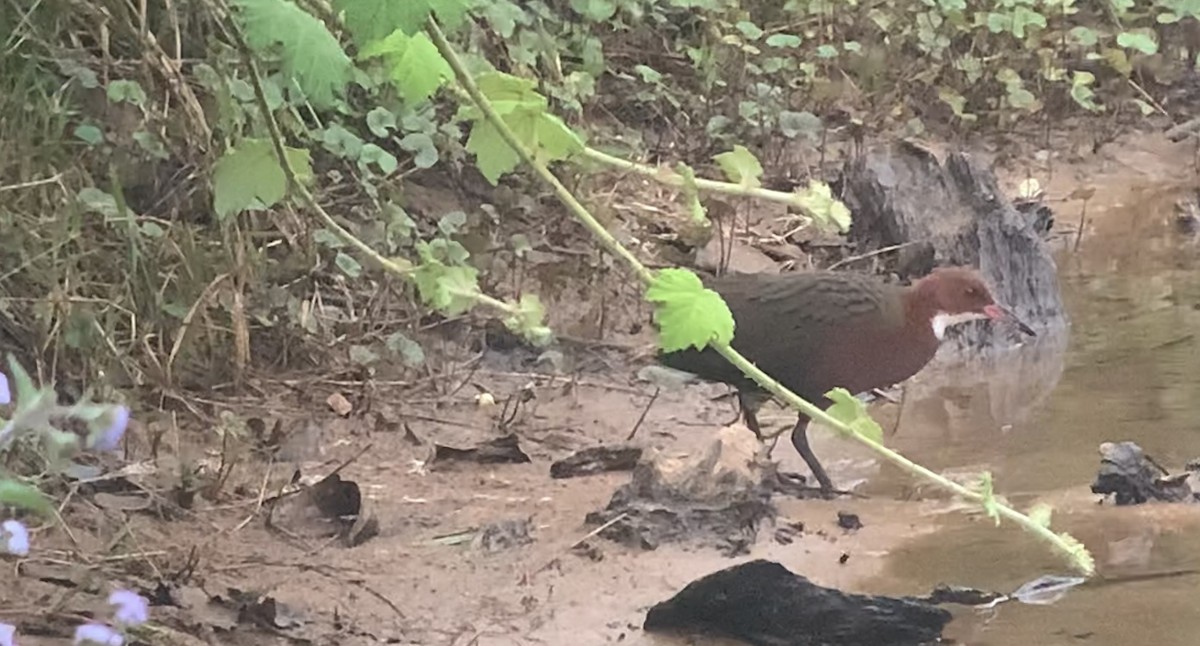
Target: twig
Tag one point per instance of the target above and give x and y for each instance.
(31, 183)
(592, 534)
(641, 418)
(870, 254)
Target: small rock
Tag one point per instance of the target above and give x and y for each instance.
(339, 404)
(737, 256)
(848, 521)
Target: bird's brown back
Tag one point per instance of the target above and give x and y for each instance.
(806, 329)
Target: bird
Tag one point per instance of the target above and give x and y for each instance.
(813, 331)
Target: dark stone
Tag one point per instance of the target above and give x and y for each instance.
(764, 604)
(848, 521)
(902, 194)
(596, 459)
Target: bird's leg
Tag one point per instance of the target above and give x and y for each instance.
(800, 441)
(749, 407)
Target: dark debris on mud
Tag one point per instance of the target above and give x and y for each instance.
(717, 498)
(1130, 477)
(763, 603)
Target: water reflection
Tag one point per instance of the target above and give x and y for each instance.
(1035, 417)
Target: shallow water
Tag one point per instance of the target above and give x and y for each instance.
(1125, 370)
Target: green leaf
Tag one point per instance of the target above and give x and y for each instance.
(417, 67)
(249, 176)
(509, 93)
(370, 20)
(450, 223)
(410, 352)
(150, 144)
(527, 320)
(23, 496)
(595, 10)
(784, 40)
(495, 157)
(362, 355)
(24, 391)
(648, 74)
(503, 16)
(452, 290)
(740, 166)
(850, 411)
(328, 238)
(688, 314)
(385, 161)
(310, 54)
(341, 142)
(793, 124)
(94, 200)
(123, 91)
(89, 134)
(749, 30)
(1084, 36)
(425, 154)
(347, 264)
(817, 200)
(381, 121)
(1141, 41)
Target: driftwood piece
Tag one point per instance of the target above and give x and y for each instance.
(763, 603)
(953, 213)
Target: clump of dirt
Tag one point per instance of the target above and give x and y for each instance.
(717, 497)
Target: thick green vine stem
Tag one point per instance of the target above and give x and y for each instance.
(672, 178)
(1074, 552)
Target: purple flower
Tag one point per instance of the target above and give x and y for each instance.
(5, 398)
(111, 437)
(96, 635)
(15, 539)
(8, 635)
(132, 608)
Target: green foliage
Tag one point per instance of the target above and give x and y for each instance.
(688, 314)
(371, 20)
(524, 110)
(740, 166)
(417, 69)
(850, 410)
(24, 496)
(449, 288)
(249, 176)
(818, 201)
(309, 53)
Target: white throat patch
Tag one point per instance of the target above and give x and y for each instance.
(942, 320)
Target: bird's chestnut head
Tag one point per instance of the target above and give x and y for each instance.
(953, 295)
